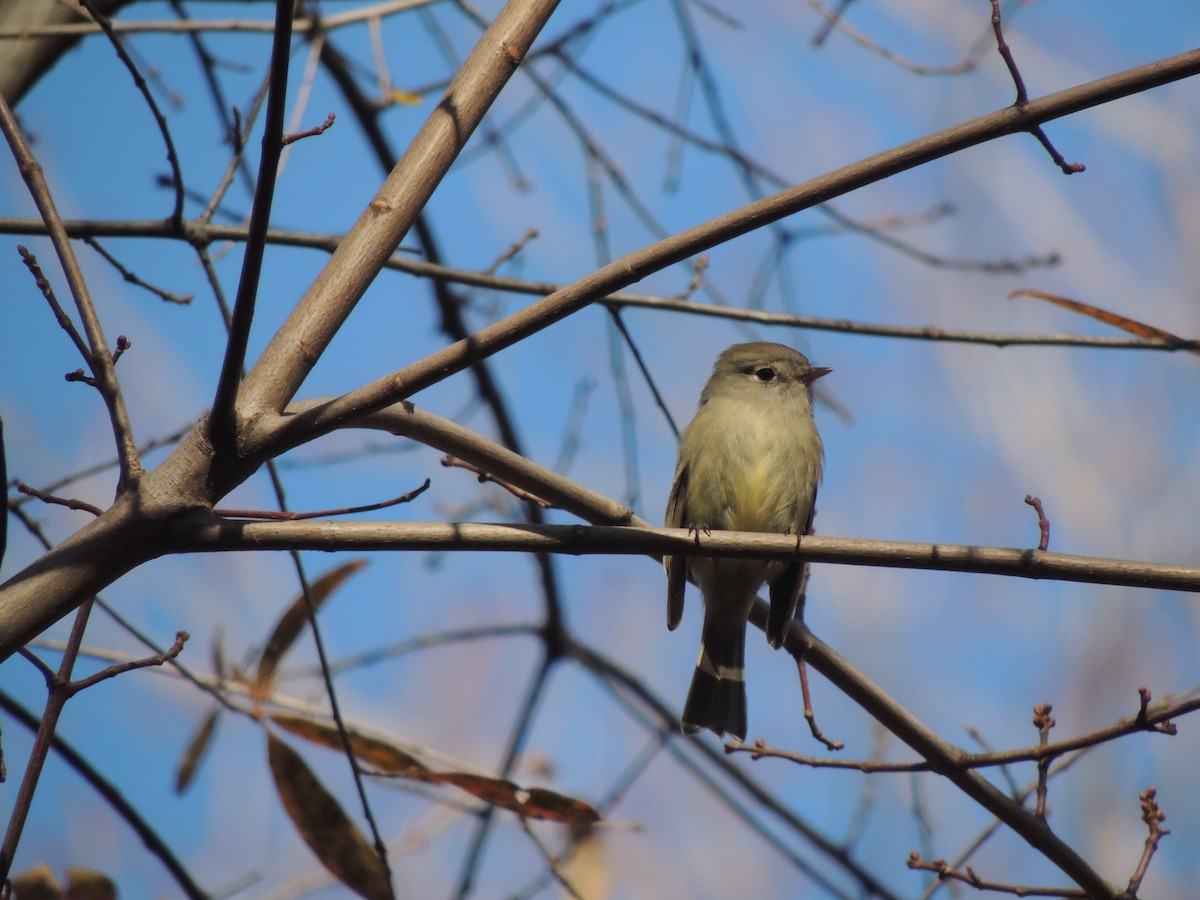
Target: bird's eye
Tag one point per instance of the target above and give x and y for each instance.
(765, 374)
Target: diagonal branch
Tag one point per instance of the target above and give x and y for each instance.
(223, 421)
(311, 335)
(331, 298)
(943, 758)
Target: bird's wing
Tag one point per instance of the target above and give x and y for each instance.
(787, 591)
(676, 566)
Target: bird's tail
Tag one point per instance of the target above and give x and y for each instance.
(717, 697)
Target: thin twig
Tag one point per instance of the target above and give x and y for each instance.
(1014, 790)
(945, 871)
(152, 444)
(228, 116)
(158, 659)
(1023, 97)
(552, 864)
(1043, 722)
(1006, 55)
(809, 716)
(1044, 752)
(515, 248)
(454, 462)
(516, 741)
(1043, 522)
(58, 693)
(625, 687)
(159, 119)
(161, 293)
(68, 502)
(1153, 817)
(289, 516)
(832, 19)
(239, 133)
(47, 289)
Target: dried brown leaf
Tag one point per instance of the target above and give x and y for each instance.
(324, 825)
(535, 803)
(386, 757)
(1133, 326)
(196, 749)
(292, 623)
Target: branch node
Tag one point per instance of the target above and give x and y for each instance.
(1043, 522)
(309, 132)
(80, 375)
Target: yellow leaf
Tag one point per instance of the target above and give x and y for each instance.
(403, 98)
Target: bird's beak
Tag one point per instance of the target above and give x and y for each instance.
(813, 374)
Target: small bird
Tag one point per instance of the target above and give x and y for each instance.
(750, 460)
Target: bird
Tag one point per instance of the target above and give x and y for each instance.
(751, 459)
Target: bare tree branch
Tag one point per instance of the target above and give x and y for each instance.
(210, 533)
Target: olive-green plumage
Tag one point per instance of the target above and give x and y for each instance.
(750, 460)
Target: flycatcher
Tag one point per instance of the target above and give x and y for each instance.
(750, 460)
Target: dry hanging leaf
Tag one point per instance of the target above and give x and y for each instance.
(383, 756)
(1133, 326)
(534, 803)
(292, 623)
(196, 749)
(324, 826)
